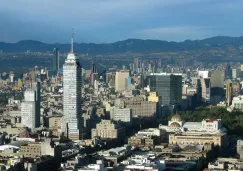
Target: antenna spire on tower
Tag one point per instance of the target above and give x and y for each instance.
(72, 41)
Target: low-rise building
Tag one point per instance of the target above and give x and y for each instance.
(116, 155)
(240, 148)
(37, 149)
(237, 102)
(143, 141)
(198, 138)
(225, 164)
(177, 124)
(31, 150)
(150, 132)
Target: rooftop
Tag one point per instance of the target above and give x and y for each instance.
(165, 73)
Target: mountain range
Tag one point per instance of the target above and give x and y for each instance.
(128, 46)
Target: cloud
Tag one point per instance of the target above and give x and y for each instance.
(175, 33)
(112, 20)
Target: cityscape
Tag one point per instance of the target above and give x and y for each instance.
(137, 104)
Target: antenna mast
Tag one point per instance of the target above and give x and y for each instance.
(72, 41)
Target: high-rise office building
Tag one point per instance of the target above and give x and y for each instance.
(94, 75)
(72, 121)
(217, 87)
(121, 80)
(93, 68)
(136, 64)
(228, 71)
(229, 93)
(235, 73)
(36, 88)
(55, 61)
(168, 87)
(30, 107)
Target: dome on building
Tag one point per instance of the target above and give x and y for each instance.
(176, 118)
(175, 124)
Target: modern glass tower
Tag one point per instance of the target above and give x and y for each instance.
(72, 123)
(168, 87)
(55, 61)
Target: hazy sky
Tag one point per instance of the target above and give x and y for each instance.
(102, 21)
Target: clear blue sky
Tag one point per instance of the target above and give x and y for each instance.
(103, 21)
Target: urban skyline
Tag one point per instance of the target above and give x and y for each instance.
(144, 105)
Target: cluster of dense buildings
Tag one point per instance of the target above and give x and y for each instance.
(75, 119)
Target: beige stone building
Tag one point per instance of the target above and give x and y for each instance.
(55, 122)
(142, 108)
(36, 149)
(121, 80)
(107, 129)
(198, 138)
(153, 97)
(32, 150)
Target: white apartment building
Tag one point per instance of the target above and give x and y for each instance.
(28, 110)
(203, 74)
(121, 114)
(237, 102)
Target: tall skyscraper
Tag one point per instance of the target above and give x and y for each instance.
(229, 93)
(94, 75)
(30, 107)
(168, 87)
(136, 64)
(121, 80)
(93, 67)
(217, 87)
(228, 71)
(72, 121)
(206, 89)
(55, 61)
(235, 73)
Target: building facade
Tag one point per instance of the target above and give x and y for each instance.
(240, 148)
(142, 109)
(30, 107)
(32, 150)
(237, 102)
(206, 89)
(121, 80)
(55, 122)
(121, 114)
(168, 87)
(107, 129)
(229, 93)
(153, 97)
(186, 139)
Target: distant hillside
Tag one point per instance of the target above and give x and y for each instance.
(130, 45)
